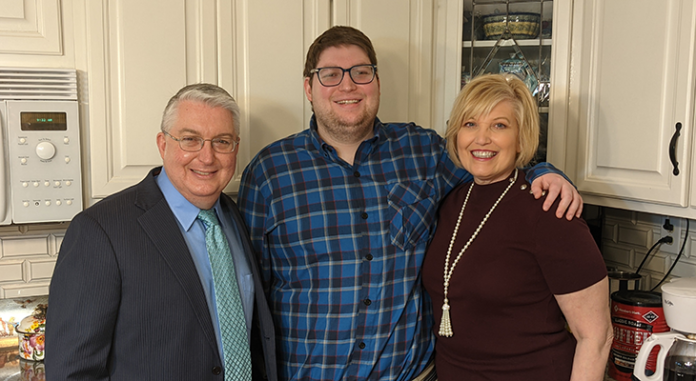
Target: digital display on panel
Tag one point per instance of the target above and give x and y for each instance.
(44, 121)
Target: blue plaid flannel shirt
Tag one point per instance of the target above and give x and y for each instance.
(341, 248)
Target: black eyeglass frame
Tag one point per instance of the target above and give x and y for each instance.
(343, 73)
(235, 143)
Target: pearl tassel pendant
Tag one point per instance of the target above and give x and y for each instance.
(445, 323)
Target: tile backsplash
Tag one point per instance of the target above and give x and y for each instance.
(28, 255)
(627, 237)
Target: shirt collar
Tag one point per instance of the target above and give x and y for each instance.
(378, 136)
(184, 211)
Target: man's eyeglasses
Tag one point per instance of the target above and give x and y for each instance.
(332, 76)
(191, 143)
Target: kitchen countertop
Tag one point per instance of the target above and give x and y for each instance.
(13, 368)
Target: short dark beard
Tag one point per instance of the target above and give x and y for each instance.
(347, 133)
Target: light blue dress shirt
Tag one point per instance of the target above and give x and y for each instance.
(194, 234)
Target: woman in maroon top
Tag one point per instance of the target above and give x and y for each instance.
(503, 275)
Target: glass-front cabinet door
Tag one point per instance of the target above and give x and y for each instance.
(516, 37)
(527, 38)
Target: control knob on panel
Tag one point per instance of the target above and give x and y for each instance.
(45, 150)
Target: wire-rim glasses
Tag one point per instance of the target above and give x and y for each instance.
(333, 75)
(191, 143)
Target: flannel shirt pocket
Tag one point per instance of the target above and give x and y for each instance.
(412, 209)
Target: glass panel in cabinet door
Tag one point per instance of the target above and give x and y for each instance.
(526, 19)
(529, 63)
(539, 58)
(540, 155)
(511, 37)
(528, 24)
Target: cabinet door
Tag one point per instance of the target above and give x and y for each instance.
(450, 55)
(137, 55)
(401, 33)
(631, 84)
(270, 45)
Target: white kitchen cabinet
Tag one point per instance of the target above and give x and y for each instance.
(630, 83)
(137, 54)
(132, 56)
(30, 28)
(622, 78)
(401, 33)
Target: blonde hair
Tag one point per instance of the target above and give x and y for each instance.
(482, 95)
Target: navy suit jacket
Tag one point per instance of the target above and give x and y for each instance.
(126, 302)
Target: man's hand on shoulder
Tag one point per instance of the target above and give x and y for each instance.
(555, 185)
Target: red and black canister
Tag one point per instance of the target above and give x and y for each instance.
(635, 315)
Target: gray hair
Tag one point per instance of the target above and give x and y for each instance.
(206, 93)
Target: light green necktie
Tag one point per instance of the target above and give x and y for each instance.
(233, 327)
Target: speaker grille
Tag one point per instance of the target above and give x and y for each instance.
(39, 84)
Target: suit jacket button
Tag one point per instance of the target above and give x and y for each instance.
(217, 370)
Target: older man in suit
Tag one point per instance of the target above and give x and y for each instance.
(159, 282)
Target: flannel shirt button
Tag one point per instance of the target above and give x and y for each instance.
(356, 174)
(364, 216)
(367, 302)
(369, 257)
(361, 345)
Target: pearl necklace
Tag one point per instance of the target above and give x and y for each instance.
(445, 323)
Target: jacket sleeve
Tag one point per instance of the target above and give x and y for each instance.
(83, 304)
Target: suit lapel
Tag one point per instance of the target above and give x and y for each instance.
(160, 225)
